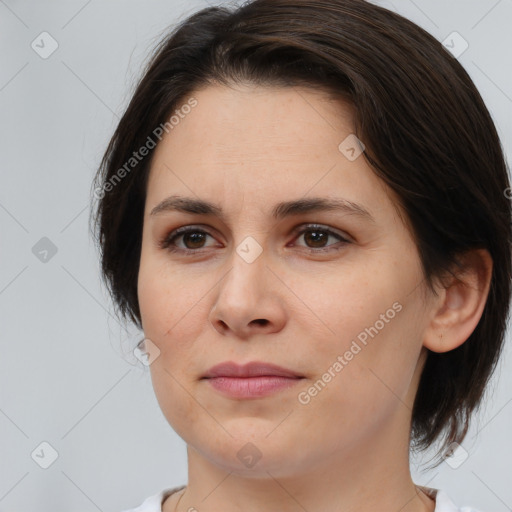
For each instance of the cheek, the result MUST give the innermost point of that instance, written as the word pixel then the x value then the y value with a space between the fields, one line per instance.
pixel 170 306
pixel 355 396
pixel 373 324
pixel 169 300
pixel 175 401
pixel 343 302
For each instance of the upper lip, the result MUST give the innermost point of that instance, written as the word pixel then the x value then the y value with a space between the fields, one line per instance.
pixel 251 369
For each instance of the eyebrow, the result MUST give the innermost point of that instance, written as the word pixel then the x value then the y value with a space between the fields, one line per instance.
pixel 280 210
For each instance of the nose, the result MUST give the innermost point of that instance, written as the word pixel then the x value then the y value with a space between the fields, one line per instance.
pixel 248 301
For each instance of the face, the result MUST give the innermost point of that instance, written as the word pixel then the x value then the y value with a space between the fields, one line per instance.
pixel 333 294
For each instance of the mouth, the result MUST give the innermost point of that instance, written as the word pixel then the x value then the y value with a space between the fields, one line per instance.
pixel 252 380
pixel 251 369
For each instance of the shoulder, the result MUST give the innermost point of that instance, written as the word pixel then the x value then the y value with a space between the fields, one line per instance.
pixel 154 503
pixel 444 502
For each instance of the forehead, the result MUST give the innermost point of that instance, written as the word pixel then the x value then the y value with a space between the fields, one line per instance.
pixel 254 119
pixel 261 144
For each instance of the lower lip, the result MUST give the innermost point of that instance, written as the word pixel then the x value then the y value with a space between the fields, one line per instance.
pixel 251 387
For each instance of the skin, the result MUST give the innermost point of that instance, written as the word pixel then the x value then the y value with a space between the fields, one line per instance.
pixel 246 148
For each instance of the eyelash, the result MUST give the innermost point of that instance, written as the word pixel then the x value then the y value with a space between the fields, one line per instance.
pixel 168 243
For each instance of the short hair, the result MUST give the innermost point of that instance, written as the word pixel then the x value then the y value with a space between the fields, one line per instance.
pixel 427 134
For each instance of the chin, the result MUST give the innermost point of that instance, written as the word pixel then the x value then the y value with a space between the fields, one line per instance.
pixel 254 450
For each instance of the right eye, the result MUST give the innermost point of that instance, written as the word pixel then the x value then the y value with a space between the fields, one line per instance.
pixel 186 240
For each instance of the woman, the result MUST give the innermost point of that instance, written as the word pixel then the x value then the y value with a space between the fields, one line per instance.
pixel 295 212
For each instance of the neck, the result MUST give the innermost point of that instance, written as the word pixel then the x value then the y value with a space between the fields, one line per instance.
pixel 371 474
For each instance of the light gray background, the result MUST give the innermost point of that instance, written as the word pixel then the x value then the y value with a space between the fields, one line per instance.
pixel 67 374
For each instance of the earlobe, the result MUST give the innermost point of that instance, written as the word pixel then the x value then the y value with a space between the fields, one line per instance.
pixel 460 303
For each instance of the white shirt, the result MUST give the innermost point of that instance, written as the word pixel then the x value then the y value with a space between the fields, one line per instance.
pixel 443 502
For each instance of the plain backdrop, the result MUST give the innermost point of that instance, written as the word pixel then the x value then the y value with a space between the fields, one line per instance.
pixel 68 377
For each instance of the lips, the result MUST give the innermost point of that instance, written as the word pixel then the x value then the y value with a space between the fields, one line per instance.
pixel 251 369
pixel 254 380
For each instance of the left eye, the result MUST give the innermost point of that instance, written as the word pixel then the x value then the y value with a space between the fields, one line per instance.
pixel 316 237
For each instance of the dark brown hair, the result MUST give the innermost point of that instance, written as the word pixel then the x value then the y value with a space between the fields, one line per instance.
pixel 427 133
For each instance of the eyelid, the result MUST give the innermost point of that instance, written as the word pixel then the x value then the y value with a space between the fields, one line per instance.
pixel 299 230
pixel 168 240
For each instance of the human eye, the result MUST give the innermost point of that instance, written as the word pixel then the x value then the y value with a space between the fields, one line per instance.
pixel 316 238
pixel 190 240
pixel 186 240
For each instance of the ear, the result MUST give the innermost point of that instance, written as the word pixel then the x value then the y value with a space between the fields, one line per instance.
pixel 460 302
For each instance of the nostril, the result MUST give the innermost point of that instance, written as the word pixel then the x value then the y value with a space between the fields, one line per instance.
pixel 261 321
